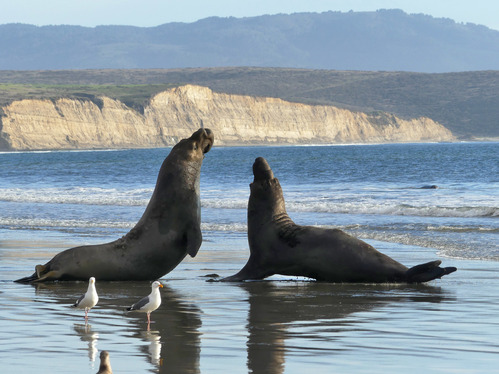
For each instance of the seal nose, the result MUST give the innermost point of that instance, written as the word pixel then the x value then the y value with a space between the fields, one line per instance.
pixel 208 140
pixel 205 138
pixel 262 170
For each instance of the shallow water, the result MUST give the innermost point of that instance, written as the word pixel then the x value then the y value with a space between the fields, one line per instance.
pixel 285 325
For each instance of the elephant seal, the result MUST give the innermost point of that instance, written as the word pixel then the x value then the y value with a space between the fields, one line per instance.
pixel 168 230
pixel 429 187
pixel 279 246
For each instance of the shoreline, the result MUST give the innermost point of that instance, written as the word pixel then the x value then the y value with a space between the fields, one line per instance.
pixel 290 145
pixel 234 246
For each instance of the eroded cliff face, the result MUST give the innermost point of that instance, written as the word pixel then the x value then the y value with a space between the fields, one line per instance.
pixel 176 113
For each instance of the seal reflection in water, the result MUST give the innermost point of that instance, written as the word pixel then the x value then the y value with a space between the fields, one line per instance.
pixel 168 230
pixel 279 246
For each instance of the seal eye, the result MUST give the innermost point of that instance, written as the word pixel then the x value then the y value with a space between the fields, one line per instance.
pixel 195 147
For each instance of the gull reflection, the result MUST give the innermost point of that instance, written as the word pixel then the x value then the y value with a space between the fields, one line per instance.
pixel 154 347
pixel 86 334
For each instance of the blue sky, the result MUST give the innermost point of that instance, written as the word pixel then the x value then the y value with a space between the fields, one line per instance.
pixel 148 13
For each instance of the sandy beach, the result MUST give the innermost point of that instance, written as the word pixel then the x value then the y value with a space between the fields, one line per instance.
pixel 284 325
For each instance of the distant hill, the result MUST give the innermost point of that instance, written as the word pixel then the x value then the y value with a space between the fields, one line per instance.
pixel 467 103
pixel 388 40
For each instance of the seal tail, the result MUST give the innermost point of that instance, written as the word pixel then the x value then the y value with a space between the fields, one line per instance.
pixel 427 272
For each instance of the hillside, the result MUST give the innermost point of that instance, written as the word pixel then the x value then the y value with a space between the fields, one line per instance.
pixel 388 40
pixel 467 103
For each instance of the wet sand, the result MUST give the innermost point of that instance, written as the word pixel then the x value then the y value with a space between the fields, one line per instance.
pixel 285 325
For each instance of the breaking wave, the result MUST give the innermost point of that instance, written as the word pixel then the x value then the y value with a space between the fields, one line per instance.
pixel 140 197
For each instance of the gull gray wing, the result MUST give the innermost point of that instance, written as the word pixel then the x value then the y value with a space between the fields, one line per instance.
pixel 140 304
pixel 78 301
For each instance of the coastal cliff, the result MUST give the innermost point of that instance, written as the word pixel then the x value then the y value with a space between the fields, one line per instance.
pixel 174 114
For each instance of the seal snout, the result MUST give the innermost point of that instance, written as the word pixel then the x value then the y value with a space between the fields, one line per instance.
pixel 208 140
pixel 262 170
pixel 205 138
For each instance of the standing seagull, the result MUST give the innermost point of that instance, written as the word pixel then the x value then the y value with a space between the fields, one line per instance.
pixel 89 299
pixel 149 303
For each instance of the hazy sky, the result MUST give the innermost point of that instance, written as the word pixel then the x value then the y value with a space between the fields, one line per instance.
pixel 147 13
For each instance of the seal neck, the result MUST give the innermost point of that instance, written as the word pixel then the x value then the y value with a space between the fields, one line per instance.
pixel 266 202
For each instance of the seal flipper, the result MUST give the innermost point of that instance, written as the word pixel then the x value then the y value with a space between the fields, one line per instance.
pixel 194 238
pixel 32 278
pixel 39 270
pixel 427 272
pixel 41 274
pixel 250 271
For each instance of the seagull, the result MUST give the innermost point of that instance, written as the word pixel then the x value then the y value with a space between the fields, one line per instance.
pixel 89 299
pixel 105 364
pixel 149 303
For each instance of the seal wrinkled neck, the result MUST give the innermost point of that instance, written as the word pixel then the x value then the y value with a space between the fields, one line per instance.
pixel 262 170
pixel 266 199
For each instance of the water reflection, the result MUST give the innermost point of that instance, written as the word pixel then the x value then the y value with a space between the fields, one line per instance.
pixel 154 346
pixel 177 324
pixel 172 344
pixel 275 307
pixel 282 318
pixel 86 334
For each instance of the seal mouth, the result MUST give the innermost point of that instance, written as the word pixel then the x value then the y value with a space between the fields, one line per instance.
pixel 262 170
pixel 207 148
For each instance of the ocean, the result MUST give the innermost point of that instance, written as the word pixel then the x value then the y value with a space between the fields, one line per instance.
pixel 414 202
pixel 379 192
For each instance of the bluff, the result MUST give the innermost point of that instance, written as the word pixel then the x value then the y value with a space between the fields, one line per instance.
pixel 174 114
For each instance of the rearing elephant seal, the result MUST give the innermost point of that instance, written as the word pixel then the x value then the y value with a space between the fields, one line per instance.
pixel 168 230
pixel 279 246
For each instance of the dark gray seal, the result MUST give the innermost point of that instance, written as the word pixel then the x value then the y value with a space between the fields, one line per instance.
pixel 168 230
pixel 279 246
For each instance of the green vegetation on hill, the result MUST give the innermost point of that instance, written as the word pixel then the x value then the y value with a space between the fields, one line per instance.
pixel 133 95
pixel 467 103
